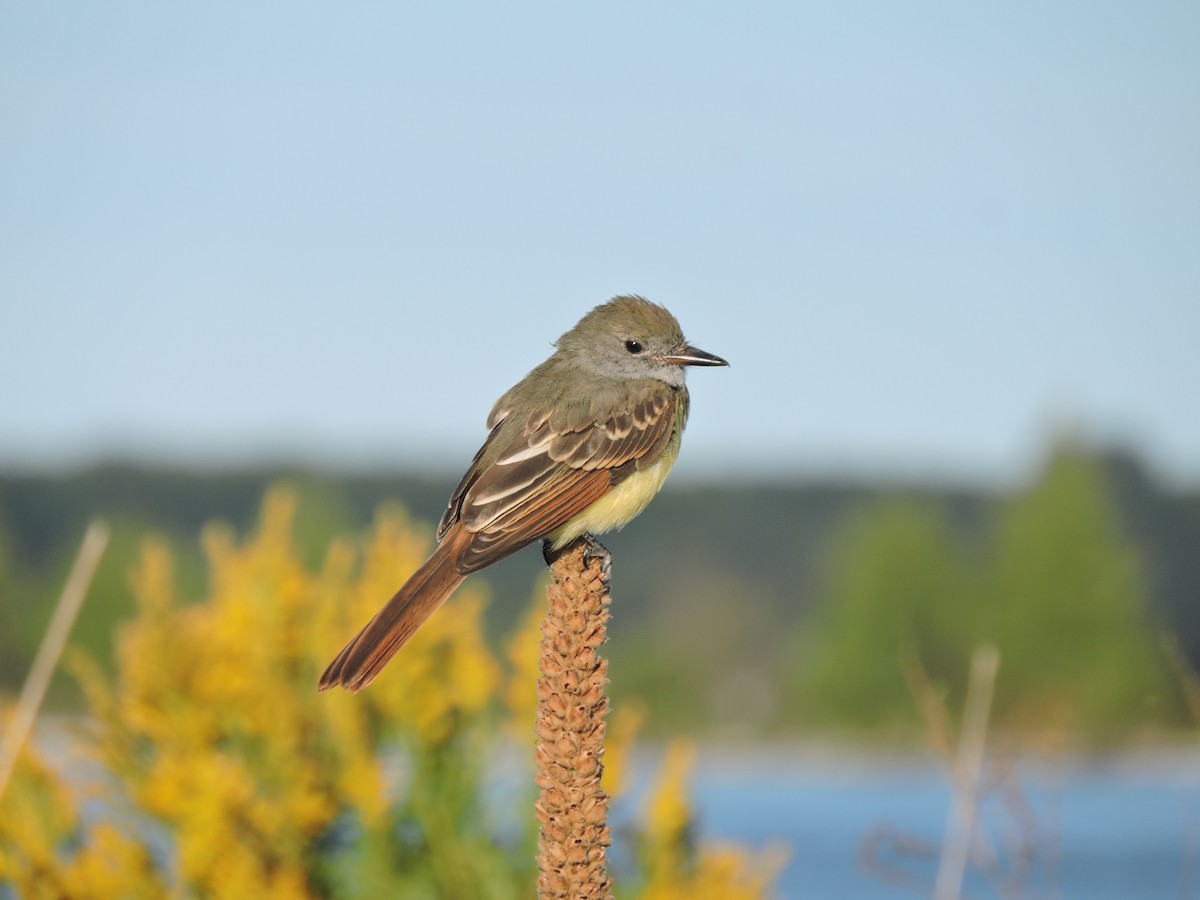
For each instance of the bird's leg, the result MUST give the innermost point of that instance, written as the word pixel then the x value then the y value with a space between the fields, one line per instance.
pixel 592 549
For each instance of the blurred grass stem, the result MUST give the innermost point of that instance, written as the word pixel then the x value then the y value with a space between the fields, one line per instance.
pixel 960 825
pixel 34 690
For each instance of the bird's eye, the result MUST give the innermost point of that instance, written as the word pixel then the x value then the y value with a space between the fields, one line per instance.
pixel 633 346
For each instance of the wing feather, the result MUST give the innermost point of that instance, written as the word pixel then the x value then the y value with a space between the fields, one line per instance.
pixel 450 514
pixel 543 478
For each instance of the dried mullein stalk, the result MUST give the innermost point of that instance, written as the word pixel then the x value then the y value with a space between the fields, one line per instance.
pixel 572 810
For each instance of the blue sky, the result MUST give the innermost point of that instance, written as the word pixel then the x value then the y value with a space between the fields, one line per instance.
pixel 926 236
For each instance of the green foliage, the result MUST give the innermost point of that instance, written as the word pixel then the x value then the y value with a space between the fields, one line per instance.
pixel 712 583
pixel 1056 587
pixel 701 656
pixel 1067 607
pixel 896 582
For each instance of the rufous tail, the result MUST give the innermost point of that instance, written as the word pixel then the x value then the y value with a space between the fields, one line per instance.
pixel 371 649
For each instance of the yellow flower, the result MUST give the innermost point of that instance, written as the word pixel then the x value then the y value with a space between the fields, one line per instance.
pixel 36 813
pixel 39 817
pixel 669 813
pixel 444 675
pixel 622 730
pixel 112 865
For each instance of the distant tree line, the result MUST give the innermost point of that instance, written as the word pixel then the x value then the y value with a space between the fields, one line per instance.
pixel 742 608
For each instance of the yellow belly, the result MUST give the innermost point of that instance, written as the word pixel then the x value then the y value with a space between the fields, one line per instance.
pixel 622 503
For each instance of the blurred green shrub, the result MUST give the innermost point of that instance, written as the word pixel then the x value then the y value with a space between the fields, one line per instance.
pixel 1054 585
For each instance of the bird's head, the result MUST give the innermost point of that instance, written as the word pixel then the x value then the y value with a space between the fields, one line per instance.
pixel 631 338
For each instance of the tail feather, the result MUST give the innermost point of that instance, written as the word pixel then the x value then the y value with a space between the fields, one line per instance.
pixel 371 649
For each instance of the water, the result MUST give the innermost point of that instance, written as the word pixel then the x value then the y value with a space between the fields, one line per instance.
pixel 1126 828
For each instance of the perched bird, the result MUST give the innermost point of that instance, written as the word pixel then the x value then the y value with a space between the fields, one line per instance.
pixel 578 447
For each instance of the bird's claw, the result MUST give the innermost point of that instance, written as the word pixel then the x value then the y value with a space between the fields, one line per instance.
pixel 592 549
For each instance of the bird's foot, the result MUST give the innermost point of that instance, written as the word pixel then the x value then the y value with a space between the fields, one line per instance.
pixel 592 549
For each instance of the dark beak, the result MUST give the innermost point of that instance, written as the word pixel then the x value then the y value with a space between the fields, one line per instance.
pixel 691 356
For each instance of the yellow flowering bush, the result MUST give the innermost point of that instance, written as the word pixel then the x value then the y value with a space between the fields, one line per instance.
pixel 43 853
pixel 228 775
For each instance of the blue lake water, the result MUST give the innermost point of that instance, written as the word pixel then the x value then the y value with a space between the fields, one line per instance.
pixel 1125 827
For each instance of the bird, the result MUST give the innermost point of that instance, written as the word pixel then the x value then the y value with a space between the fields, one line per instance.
pixel 577 448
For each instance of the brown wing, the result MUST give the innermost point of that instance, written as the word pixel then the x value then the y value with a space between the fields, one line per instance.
pixel 450 515
pixel 545 477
